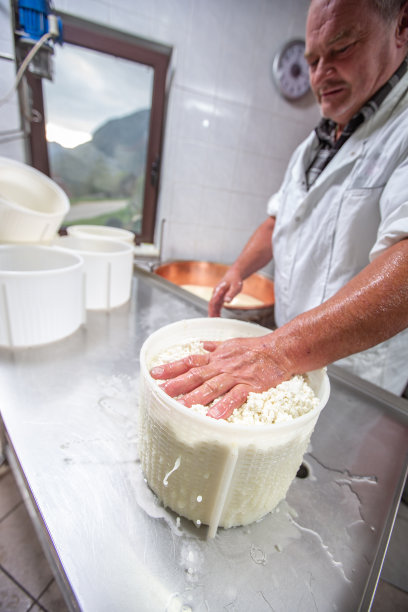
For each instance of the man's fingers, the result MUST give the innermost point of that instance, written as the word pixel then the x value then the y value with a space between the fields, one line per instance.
pixel 223 293
pixel 217 299
pixel 231 400
pixel 210 345
pixel 233 291
pixel 176 368
pixel 188 381
pixel 209 390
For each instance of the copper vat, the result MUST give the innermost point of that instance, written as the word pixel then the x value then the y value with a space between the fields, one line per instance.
pixel 205 273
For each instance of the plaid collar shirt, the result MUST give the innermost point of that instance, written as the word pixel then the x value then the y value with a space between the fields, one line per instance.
pixel 326 130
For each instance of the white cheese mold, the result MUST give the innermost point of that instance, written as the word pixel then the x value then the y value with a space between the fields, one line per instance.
pixel 217 473
pixel 41 294
pixel 32 206
pixel 108 266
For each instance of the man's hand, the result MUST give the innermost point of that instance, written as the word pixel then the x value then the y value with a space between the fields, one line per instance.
pixel 224 292
pixel 230 370
pixel 255 255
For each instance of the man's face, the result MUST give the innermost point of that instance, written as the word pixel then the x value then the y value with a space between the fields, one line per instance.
pixel 351 53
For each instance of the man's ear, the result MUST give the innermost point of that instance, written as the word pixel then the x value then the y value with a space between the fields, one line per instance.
pixel 401 33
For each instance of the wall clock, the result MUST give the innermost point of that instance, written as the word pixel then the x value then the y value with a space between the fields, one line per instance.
pixel 291 71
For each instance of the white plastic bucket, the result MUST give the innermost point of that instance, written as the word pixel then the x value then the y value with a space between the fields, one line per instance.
pixel 41 295
pixel 210 471
pixel 108 269
pixel 32 206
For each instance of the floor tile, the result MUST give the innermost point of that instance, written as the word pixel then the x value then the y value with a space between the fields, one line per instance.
pixel 21 554
pixel 10 495
pixel 12 598
pixel 389 598
pixel 52 599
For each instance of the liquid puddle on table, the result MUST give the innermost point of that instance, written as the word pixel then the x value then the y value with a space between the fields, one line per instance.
pixel 189 541
pixel 192 550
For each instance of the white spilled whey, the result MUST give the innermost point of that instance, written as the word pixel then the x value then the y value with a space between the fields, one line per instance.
pixel 287 401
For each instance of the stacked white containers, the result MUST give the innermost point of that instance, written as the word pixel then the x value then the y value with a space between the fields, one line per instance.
pixel 47 283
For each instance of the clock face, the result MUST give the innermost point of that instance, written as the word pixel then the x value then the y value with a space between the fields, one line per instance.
pixel 290 70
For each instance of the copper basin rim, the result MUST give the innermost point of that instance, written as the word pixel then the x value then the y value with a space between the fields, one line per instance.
pixel 205 273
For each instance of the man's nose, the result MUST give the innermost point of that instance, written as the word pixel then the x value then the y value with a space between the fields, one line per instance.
pixel 323 69
pixel 320 75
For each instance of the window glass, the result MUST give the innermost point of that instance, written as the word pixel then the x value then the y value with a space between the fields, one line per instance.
pixel 97 110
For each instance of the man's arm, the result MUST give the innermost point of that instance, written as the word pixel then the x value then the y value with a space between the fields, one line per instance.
pixel 256 254
pixel 370 308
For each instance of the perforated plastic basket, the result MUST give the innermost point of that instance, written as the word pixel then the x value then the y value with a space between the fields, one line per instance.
pixel 211 471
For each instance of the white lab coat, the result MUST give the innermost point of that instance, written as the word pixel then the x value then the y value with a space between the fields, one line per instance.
pixel 356 208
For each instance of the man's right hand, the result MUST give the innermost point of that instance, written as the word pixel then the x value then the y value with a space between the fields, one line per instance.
pixel 256 254
pixel 224 292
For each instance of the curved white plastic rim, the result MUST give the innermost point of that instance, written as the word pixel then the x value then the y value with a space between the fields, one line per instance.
pixel 105 232
pixel 23 173
pixel 93 246
pixel 39 260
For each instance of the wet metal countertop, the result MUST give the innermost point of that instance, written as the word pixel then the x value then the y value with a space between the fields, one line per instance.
pixel 69 411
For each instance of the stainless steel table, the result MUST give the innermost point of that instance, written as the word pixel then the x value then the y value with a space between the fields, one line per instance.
pixel 69 413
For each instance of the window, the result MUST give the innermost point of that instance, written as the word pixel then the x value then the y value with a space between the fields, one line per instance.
pixel 97 126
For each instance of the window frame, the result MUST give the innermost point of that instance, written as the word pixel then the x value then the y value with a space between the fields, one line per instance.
pixel 99 38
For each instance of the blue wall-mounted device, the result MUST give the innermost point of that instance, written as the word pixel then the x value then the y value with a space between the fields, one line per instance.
pixel 34 20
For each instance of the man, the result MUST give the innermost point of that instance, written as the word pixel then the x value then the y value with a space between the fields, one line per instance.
pixel 337 228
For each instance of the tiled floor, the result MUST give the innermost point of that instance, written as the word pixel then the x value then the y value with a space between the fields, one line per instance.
pixel 27 584
pixel 26 581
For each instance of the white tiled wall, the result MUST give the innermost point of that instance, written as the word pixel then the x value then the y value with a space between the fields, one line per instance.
pixel 228 133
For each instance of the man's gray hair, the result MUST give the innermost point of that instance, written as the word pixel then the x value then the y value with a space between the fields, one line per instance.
pixel 387 9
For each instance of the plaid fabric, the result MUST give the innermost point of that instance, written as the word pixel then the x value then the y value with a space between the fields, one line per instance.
pixel 326 130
